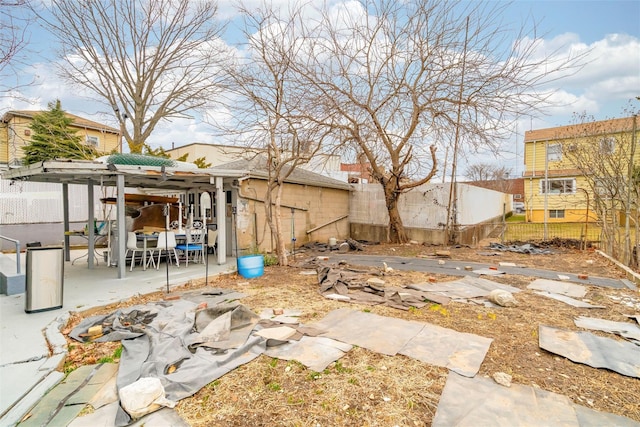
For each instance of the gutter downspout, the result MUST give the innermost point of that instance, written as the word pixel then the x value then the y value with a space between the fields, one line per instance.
pixel 546 186
pixel 533 175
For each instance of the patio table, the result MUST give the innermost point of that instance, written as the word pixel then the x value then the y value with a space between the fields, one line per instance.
pixel 85 236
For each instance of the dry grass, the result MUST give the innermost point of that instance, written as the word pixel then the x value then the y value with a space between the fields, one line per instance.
pixel 368 389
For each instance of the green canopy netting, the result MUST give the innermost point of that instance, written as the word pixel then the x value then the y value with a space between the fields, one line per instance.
pixel 139 160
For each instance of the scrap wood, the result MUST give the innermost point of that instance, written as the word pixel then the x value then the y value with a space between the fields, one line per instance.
pixel 346 286
pixel 488 272
pixel 355 245
pixel 329 278
pixel 622 357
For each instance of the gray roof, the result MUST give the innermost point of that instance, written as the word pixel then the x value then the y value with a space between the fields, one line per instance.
pixel 256 168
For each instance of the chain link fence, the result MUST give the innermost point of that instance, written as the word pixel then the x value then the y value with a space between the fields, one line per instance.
pixel 574 234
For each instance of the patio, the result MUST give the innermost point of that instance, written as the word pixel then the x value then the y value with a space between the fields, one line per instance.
pixel 27 362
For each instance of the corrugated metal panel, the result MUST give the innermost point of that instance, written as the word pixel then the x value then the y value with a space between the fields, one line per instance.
pixel 35 202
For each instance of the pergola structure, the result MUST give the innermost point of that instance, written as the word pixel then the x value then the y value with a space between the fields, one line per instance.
pixel 91 173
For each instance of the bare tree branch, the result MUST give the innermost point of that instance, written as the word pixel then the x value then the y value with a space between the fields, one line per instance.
pixel 149 61
pixel 271 106
pixel 603 153
pixel 389 76
pixel 13 40
pixel 486 172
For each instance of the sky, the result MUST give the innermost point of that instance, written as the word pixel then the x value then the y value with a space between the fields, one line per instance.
pixel 609 30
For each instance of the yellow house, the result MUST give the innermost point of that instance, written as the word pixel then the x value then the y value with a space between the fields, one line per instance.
pixel 15 133
pixel 558 160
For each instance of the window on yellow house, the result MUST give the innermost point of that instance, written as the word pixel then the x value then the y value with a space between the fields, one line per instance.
pixel 556 213
pixel 93 140
pixel 610 187
pixel 558 186
pixel 554 152
pixel 607 145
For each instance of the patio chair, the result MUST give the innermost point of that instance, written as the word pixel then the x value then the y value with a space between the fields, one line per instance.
pixel 212 241
pixel 132 245
pixel 194 244
pixel 167 243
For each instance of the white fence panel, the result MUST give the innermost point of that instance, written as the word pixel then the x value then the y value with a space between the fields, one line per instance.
pixel 476 204
pixel 40 202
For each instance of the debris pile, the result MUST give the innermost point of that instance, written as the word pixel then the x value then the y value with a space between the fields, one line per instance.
pixel 344 246
pixel 527 248
pixel 354 287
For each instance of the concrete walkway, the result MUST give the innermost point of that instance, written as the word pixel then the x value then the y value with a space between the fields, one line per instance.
pixel 31 345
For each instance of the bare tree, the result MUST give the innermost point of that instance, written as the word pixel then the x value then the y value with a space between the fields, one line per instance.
pixel 486 172
pixel 604 153
pixel 271 106
pixel 148 60
pixel 398 79
pixel 13 39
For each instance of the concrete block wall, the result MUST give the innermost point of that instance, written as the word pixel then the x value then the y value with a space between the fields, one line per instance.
pixel 313 207
pixel 423 211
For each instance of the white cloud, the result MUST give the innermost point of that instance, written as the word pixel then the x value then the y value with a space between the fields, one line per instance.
pixel 602 87
pixel 609 75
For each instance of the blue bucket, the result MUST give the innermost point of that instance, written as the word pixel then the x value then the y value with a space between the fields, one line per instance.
pixel 251 266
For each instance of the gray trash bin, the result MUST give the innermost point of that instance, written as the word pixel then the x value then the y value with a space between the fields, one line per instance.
pixel 44 278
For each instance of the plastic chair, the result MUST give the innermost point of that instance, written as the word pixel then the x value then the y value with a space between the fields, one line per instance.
pixel 212 240
pixel 132 245
pixel 194 244
pixel 167 243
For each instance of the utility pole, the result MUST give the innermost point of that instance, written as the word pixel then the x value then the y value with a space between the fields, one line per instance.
pixel 628 253
pixel 451 207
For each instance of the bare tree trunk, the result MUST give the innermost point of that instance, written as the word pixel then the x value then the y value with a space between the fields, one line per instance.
pixel 268 214
pixel 396 233
pixel 281 250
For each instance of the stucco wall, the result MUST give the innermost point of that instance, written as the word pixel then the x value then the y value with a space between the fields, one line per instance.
pixel 312 207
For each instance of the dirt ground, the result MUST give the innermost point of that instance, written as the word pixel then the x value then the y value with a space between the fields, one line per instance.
pixel 369 389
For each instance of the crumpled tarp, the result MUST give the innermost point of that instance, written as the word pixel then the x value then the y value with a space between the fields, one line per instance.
pixel 184 345
pixel 460 352
pixel 481 402
pixel 527 248
pixel 598 352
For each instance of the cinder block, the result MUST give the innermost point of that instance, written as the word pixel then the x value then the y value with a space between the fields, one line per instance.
pixel 11 284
